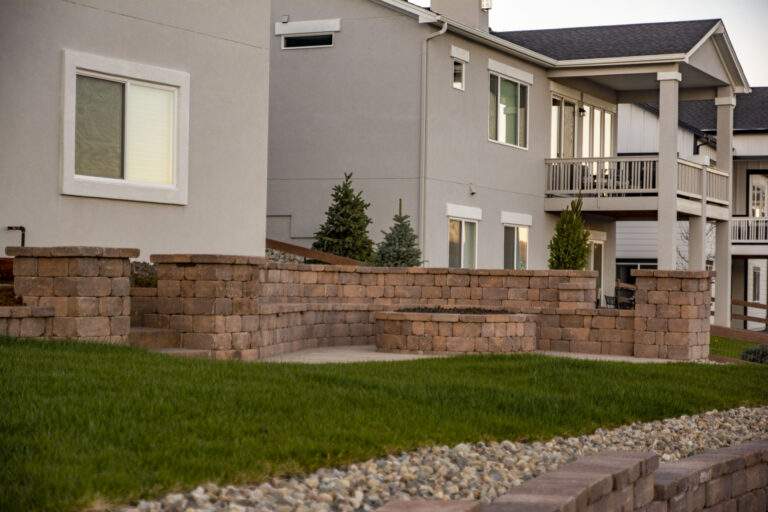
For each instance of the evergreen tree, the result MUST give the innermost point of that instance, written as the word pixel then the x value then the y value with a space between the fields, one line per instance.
pixel 399 247
pixel 569 247
pixel 345 230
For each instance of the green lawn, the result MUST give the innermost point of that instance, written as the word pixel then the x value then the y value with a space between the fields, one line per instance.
pixel 81 423
pixel 727 347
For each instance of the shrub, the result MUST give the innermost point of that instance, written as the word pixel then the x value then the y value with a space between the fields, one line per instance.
pixel 345 230
pixel 399 247
pixel 143 275
pixel 569 248
pixel 758 354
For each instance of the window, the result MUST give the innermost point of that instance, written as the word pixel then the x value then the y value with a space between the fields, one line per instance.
pixel 563 128
pixel 508 114
pixel 459 69
pixel 307 41
pixel 516 247
pixel 462 243
pixel 586 121
pixel 125 130
pixel 755 284
pixel 758 195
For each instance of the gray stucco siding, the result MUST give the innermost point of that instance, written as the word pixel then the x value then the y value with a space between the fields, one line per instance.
pixel 223 49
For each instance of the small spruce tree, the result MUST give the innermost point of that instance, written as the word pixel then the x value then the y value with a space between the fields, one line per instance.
pixel 569 247
pixel 399 247
pixel 345 230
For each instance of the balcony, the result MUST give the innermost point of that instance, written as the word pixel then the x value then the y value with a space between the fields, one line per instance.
pixel 749 236
pixel 630 184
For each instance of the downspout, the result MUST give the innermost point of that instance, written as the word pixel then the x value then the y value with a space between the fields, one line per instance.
pixel 423 138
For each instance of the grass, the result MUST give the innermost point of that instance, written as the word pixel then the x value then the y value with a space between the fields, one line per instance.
pixel 726 347
pixel 87 423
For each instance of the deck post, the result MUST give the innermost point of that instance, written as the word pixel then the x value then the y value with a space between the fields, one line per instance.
pixel 725 102
pixel 669 83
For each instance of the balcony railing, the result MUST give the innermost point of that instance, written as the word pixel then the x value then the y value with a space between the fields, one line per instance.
pixel 602 177
pixel 629 176
pixel 749 230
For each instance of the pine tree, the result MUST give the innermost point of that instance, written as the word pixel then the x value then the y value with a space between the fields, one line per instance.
pixel 345 230
pixel 569 247
pixel 399 247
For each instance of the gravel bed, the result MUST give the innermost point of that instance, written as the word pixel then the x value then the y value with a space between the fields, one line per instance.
pixel 477 471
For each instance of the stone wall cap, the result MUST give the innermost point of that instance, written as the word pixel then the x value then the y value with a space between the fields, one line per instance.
pixel 25 312
pixel 213 259
pixel 72 252
pixel 680 274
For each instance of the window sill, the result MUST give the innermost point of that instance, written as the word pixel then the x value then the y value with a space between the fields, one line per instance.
pixel 524 148
pixel 107 188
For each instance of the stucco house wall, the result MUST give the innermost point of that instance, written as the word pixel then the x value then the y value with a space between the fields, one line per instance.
pixel 225 50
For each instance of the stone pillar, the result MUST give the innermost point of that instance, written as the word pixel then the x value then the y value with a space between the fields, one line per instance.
pixel 672 314
pixel 87 287
pixel 666 180
pixel 725 102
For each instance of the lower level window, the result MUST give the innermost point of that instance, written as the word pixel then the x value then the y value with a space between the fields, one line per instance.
pixel 516 247
pixel 462 243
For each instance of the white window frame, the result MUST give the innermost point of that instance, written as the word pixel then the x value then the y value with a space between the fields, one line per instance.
pixel 127 72
pixel 464 221
pixel 501 76
pixel 527 246
pixel 463 86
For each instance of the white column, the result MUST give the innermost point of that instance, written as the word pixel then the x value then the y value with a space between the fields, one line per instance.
pixel 725 101
pixel 697 243
pixel 666 180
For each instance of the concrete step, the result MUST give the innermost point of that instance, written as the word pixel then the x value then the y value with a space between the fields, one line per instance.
pixel 151 338
pixel 184 352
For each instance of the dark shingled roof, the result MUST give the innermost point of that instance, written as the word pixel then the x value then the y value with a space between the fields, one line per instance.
pixel 613 40
pixel 751 112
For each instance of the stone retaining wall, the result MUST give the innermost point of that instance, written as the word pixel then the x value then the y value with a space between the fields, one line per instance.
pixel 236 306
pixel 732 479
pixel 447 332
pixel 26 322
pixel 87 288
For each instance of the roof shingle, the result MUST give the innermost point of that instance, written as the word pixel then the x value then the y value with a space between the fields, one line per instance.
pixel 612 40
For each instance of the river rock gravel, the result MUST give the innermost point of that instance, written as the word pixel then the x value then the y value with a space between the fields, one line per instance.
pixel 479 471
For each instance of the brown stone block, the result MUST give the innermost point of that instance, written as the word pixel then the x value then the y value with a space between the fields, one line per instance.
pixel 459 344
pixel 718 490
pixel 197 341
pixel 197 306
pixel 121 286
pixel 32 327
pixel 604 322
pixel 84 306
pixel 459 280
pixel 398 279
pixel 233 289
pixel 52 267
pixel 119 325
pixel 679 325
pixel 571 321
pixel 575 333
pixel 24 267
pixel 645 350
pixel 88 327
pixel 680 353
pixel 112 268
pixel 681 298
pixel 407 292
pixel 59 304
pixel 168 288
pixel 587 347
pixel 622 349
pixel 170 305
pixel 209 289
pixel 353 291
pixel 33 286
pixel 668 283
pixel 658 297
pixel 668 311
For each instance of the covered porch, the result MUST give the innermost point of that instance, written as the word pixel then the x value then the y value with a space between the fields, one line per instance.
pixel 661 185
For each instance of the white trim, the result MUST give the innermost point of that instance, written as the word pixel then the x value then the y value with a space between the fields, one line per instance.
pixel 461 211
pixel 669 75
pixel 510 72
pixel 726 100
pixel 127 71
pixel 459 53
pixel 516 219
pixel 308 27
pixel 610 61
pixel 463 83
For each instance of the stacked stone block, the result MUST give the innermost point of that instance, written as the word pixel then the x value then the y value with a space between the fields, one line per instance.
pixel 26 322
pixel 672 314
pixel 88 289
pixel 733 479
pixel 588 331
pixel 447 332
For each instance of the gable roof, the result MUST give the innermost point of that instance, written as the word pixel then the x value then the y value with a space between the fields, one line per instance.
pixel 750 114
pixel 611 41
